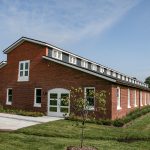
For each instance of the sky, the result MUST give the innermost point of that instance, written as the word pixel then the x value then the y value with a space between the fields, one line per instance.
pixel 114 33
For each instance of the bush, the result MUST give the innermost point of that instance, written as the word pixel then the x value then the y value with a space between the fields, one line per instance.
pixel 20 112
pixel 118 123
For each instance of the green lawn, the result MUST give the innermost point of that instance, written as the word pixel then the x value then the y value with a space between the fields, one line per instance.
pixel 59 134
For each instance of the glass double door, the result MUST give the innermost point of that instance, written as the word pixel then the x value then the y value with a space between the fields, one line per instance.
pixel 57 105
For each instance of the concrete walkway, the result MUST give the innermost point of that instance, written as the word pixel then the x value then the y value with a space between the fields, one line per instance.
pixel 10 122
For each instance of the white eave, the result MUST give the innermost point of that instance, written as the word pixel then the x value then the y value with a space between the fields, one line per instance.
pixel 2 64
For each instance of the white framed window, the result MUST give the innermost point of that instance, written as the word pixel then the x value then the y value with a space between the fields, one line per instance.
pixel 101 69
pixel 89 97
pixel 123 78
pixel 84 63
pixel 108 72
pixel 72 59
pixel 94 67
pixel 23 73
pixel 127 79
pixel 9 97
pixel 141 97
pixel 129 103
pixel 118 95
pixel 57 54
pixel 145 99
pixel 114 74
pixel 37 97
pixel 135 104
pixel 119 76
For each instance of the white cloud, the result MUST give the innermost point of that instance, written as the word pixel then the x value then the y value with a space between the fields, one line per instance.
pixel 61 21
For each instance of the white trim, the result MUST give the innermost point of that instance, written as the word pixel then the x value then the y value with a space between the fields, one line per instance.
pixel 23 78
pixel 145 99
pixel 7 97
pixel 81 69
pixel 72 59
pixel 141 99
pixel 94 67
pixel 135 98
pixel 129 99
pixel 85 95
pixel 57 54
pixel 84 64
pixel 35 103
pixel 2 64
pixel 118 95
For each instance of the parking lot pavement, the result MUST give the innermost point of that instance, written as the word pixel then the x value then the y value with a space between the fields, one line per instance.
pixel 10 122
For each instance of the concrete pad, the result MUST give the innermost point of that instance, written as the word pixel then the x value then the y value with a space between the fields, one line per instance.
pixel 14 122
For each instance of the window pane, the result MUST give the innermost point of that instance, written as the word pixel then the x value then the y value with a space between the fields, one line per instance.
pixel 21 73
pixel 53 109
pixel 53 102
pixel 38 92
pixel 38 99
pixel 26 65
pixel 10 92
pixel 26 73
pixel 89 92
pixel 65 110
pixel 64 96
pixel 90 101
pixel 53 96
pixel 10 98
pixel 21 66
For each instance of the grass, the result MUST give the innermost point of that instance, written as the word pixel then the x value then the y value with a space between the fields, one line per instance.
pixel 60 134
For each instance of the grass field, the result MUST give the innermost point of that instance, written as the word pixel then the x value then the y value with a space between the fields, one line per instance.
pixel 60 134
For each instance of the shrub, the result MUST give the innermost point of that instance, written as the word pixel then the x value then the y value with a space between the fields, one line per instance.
pixel 118 123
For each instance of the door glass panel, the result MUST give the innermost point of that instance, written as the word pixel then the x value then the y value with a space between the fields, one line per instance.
pixel 53 102
pixel 53 109
pixel 64 110
pixel 63 97
pixel 53 96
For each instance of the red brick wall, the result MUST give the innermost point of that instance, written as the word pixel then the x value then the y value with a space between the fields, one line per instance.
pixel 43 74
pixel 124 100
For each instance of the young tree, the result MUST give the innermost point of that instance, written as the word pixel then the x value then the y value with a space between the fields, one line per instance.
pixel 80 106
pixel 147 80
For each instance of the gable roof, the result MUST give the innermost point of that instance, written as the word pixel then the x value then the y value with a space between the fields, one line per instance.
pixel 130 82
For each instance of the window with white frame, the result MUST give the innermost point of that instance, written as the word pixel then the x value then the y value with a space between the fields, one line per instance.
pixel 141 97
pixel 119 76
pixel 145 99
pixel 57 54
pixel 114 74
pixel 94 67
pixel 126 78
pixel 23 74
pixel 72 59
pixel 89 97
pixel 9 96
pixel 84 63
pixel 101 69
pixel 135 104
pixel 108 72
pixel 37 97
pixel 129 103
pixel 123 78
pixel 118 98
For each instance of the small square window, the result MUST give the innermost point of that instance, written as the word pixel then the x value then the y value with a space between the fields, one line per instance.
pixel 72 59
pixel 57 54
pixel 94 67
pixel 84 64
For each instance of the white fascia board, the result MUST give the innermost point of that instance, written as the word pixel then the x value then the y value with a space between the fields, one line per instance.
pixel 2 64
pixel 78 68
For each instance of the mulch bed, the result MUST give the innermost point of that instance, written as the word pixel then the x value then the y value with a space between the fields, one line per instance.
pixel 83 148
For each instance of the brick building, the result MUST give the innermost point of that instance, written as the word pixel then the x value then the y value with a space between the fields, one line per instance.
pixel 37 75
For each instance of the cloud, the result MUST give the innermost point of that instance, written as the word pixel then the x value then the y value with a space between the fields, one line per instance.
pixel 61 21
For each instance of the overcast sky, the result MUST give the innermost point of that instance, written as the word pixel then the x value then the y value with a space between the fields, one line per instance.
pixel 115 33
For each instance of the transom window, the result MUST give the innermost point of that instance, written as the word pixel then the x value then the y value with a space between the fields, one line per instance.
pixel 72 59
pixel 37 97
pixel 9 96
pixel 94 67
pixel 57 54
pixel 101 70
pixel 89 97
pixel 84 63
pixel 23 74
